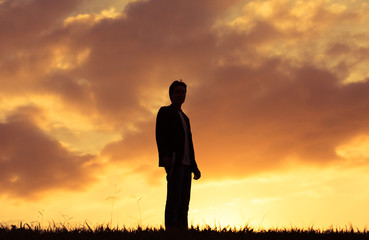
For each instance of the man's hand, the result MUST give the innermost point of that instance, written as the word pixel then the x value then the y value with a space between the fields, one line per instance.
pixel 197 174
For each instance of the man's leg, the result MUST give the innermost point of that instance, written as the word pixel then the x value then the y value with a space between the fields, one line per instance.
pixel 185 198
pixel 174 192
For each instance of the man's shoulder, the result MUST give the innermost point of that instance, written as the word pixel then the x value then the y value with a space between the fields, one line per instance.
pixel 167 109
pixel 168 112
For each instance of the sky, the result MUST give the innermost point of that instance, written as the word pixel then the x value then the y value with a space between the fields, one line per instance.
pixel 277 97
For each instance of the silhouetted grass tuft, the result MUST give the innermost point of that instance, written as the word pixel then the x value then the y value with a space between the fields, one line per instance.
pixel 85 232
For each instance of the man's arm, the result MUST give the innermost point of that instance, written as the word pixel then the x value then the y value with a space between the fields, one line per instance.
pixel 195 169
pixel 163 137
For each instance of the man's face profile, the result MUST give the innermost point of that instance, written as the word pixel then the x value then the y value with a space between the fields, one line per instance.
pixel 179 95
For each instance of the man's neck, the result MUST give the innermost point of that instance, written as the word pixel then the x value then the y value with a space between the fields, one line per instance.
pixel 178 107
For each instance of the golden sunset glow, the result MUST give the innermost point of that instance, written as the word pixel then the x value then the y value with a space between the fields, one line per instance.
pixel 277 99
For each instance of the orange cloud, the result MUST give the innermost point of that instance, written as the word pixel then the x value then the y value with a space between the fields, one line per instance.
pixel 284 83
pixel 254 124
pixel 32 162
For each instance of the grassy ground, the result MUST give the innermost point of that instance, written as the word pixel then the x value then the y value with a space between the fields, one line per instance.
pixel 106 233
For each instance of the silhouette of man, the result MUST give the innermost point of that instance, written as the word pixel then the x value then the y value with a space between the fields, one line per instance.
pixel 176 155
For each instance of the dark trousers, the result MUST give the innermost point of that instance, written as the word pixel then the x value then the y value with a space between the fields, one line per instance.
pixel 178 197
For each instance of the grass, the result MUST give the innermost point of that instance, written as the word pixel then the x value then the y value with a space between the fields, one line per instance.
pixel 85 232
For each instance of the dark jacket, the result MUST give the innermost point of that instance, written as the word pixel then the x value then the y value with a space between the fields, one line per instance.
pixel 170 136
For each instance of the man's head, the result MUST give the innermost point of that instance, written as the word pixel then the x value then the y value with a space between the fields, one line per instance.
pixel 177 92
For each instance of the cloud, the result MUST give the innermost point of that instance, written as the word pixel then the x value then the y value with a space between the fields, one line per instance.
pixel 259 107
pixel 269 81
pixel 24 21
pixel 254 108
pixel 32 162
pixel 255 124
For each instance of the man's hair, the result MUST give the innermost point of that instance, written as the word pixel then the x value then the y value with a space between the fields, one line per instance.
pixel 175 84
